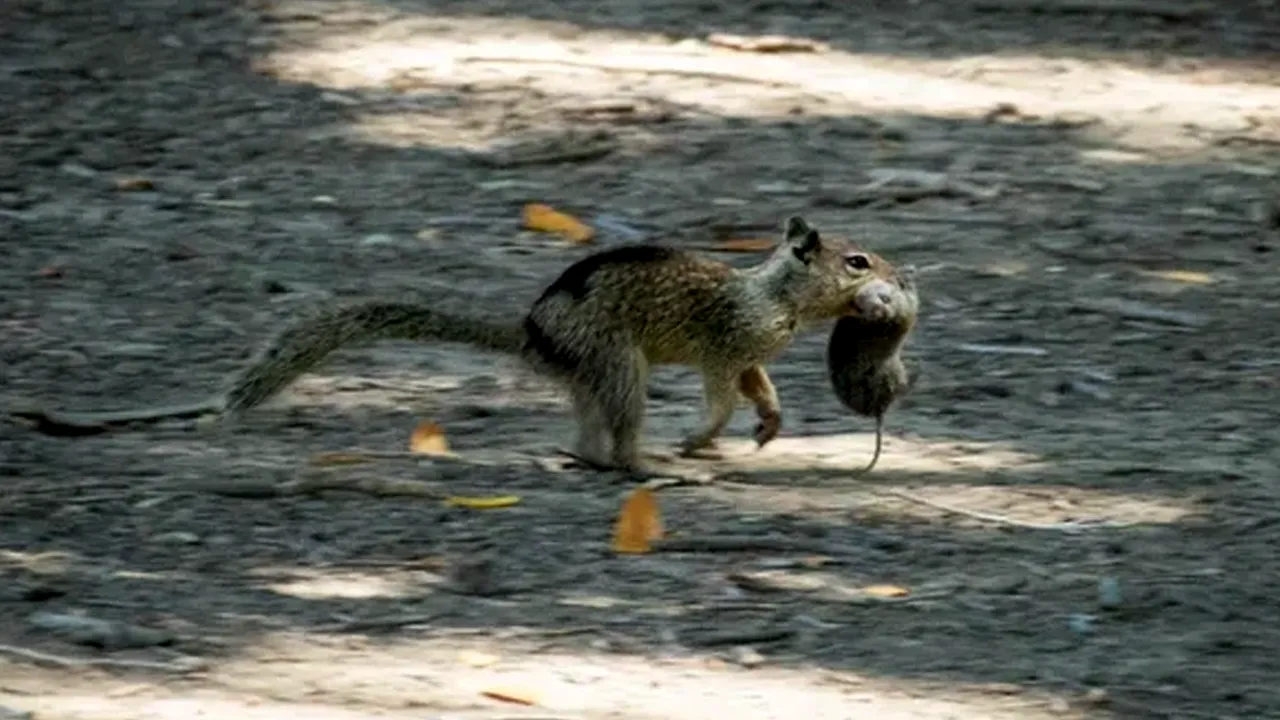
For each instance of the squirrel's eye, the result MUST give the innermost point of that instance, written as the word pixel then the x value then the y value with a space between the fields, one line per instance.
pixel 858 261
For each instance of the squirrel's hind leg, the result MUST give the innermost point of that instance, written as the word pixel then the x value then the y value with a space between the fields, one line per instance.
pixel 721 396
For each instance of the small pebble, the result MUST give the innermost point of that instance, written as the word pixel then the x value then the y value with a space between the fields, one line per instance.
pixel 747 657
pixel 1082 387
pixel 1109 595
pixel 177 537
pixel 1080 623
pixel 78 170
pixel 1097 696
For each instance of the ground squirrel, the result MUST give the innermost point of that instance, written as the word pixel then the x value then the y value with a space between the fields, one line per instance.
pixel 864 353
pixel 602 324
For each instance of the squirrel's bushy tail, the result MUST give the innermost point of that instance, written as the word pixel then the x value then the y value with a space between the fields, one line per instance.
pixel 306 344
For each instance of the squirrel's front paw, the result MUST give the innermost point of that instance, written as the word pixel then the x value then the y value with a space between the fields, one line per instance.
pixel 767 429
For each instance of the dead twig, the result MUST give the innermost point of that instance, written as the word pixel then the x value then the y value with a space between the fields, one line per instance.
pixel 1241 139
pixel 391 622
pixel 79 424
pixel 1131 310
pixel 544 156
pixel 314 483
pixel 767 43
pixel 747 543
pixel 324 474
pixel 1149 8
pixel 990 349
pixel 679 72
pixel 901 185
pixel 186 665
pixel 758 636
pixel 1069 527
pixel 952 219
pixel 95 632
pixel 311 484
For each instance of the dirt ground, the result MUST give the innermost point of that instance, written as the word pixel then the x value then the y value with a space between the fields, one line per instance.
pixel 1099 343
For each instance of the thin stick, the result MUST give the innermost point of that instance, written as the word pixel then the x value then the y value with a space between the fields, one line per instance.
pixel 999 519
pixel 748 543
pixel 700 74
pixel 71 424
pixel 192 665
pixel 1163 10
pixel 382 623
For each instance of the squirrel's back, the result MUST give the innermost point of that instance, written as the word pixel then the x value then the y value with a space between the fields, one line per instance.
pixel 673 306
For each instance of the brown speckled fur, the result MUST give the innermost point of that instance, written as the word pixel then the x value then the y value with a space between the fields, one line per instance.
pixel 610 317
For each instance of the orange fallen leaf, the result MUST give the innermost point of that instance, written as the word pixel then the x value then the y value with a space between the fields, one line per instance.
pixel 511 695
pixel 639 523
pixel 428 439
pixel 886 591
pixel 744 245
pixel 338 458
pixel 134 184
pixel 544 218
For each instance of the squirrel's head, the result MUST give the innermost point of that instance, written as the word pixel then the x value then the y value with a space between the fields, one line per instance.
pixel 842 279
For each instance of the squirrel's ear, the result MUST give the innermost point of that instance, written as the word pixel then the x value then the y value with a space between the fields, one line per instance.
pixel 804 240
pixel 795 228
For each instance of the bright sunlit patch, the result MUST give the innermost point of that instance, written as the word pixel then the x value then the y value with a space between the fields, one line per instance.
pixel 816 476
pixel 1114 157
pixel 426 678
pixel 851 450
pixel 1151 107
pixel 321 584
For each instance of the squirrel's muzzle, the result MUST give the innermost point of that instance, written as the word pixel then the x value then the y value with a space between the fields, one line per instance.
pixel 878 300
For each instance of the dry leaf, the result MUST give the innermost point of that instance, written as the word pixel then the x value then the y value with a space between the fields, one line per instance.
pixel 744 245
pixel 511 695
pixel 338 458
pixel 427 562
pixel 886 591
pixel 544 218
pixel 50 271
pixel 482 503
pixel 134 184
pixel 639 523
pixel 1189 277
pixel 428 439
